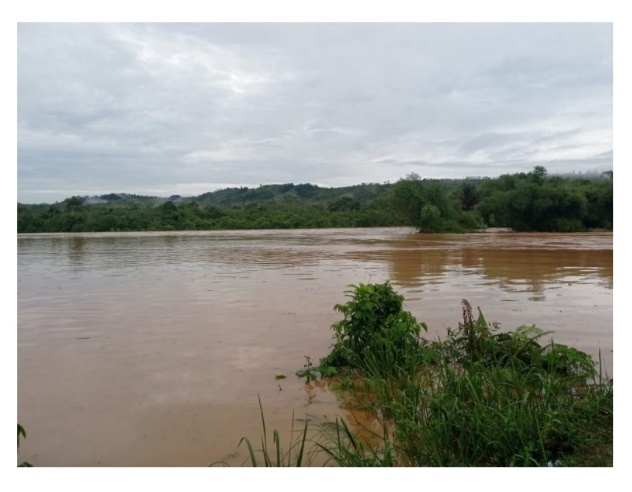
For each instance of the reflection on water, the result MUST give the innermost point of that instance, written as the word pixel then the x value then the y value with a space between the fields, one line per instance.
pixel 142 349
pixel 424 260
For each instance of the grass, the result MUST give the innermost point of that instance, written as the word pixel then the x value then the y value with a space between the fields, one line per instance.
pixel 275 456
pixel 344 447
pixel 450 416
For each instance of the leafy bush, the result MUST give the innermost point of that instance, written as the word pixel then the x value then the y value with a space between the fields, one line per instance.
pixel 568 362
pixel 470 221
pixel 374 325
pixel 477 342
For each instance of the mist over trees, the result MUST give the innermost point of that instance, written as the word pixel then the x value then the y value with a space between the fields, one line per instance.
pixel 534 201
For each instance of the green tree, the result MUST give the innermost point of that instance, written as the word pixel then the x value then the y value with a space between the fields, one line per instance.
pixel 73 203
pixel 427 205
pixel 468 196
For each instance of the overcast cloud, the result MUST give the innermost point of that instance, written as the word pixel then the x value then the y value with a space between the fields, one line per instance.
pixel 164 109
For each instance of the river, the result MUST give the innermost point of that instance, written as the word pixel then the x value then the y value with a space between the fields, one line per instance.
pixel 151 349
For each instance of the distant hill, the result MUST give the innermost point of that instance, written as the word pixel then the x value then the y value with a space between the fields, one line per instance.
pixel 290 192
pixel 230 197
pixel 533 201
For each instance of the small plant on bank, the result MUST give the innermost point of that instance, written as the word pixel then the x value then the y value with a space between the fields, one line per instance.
pixel 309 371
pixel 275 456
pixel 476 341
pixel 22 432
pixel 374 325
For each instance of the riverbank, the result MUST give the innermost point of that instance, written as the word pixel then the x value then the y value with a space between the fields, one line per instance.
pixel 478 397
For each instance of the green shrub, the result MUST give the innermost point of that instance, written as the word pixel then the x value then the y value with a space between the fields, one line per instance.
pixel 480 397
pixel 374 325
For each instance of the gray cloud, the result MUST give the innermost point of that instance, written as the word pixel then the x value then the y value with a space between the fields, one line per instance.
pixel 187 108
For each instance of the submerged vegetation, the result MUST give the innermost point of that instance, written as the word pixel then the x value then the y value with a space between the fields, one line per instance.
pixel 533 201
pixel 480 397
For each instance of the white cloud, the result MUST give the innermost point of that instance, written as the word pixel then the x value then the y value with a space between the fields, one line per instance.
pixel 149 106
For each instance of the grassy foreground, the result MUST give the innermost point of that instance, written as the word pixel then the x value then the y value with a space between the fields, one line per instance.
pixel 479 397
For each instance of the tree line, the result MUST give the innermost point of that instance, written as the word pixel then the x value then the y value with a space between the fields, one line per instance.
pixel 533 201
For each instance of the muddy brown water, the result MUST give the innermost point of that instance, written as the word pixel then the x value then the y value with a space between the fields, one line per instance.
pixel 151 349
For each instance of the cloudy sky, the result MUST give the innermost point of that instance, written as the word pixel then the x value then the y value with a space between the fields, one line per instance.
pixel 164 109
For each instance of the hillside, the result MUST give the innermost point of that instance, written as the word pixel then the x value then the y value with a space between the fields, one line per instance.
pixel 531 201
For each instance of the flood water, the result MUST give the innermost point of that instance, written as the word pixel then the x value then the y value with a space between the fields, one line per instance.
pixel 151 349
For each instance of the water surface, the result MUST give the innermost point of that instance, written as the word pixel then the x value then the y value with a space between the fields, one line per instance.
pixel 150 349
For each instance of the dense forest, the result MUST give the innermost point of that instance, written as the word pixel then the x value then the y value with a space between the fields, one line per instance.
pixel 534 201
